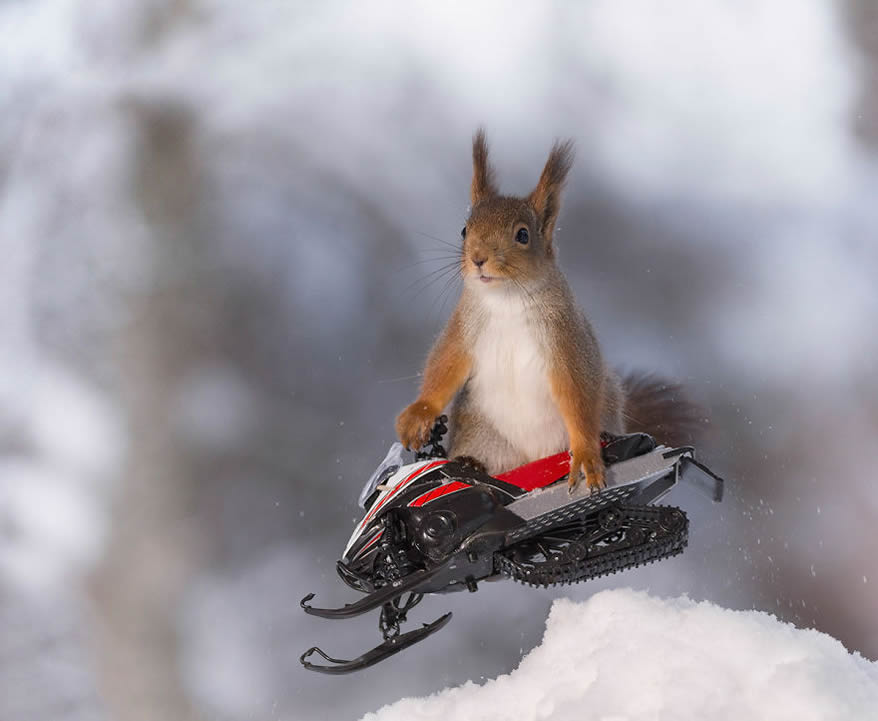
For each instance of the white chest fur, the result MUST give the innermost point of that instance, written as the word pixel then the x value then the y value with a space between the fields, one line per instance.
pixel 510 379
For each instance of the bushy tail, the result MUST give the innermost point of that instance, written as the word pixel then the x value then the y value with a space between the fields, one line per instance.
pixel 660 408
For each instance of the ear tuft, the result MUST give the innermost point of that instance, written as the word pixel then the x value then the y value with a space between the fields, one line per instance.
pixel 546 197
pixel 483 174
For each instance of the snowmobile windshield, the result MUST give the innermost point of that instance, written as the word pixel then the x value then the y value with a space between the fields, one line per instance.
pixel 390 465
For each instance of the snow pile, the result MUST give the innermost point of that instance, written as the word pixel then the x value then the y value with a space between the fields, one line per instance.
pixel 623 655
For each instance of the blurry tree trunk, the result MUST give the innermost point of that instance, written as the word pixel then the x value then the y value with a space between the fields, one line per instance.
pixel 138 587
pixel 862 23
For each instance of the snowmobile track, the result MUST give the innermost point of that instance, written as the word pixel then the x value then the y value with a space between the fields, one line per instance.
pixel 615 539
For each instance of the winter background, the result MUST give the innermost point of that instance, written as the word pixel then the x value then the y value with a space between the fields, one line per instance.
pixel 218 224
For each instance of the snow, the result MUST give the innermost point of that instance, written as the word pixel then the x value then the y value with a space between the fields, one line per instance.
pixel 625 655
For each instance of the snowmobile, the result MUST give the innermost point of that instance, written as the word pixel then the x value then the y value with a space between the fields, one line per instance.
pixel 434 525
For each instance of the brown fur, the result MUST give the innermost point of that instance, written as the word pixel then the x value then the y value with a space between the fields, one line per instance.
pixel 500 273
pixel 546 197
pixel 447 368
pixel 483 174
pixel 660 408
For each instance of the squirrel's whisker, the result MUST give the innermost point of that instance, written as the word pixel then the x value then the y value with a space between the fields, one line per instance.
pixel 419 285
pixel 424 261
pixel 439 240
pixel 400 379
pixel 437 279
pixel 445 294
pixel 457 250
pixel 441 270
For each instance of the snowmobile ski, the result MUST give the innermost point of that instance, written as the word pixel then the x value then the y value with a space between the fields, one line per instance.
pixel 381 652
pixel 375 599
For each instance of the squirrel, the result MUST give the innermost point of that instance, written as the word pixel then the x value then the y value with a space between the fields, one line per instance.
pixel 518 358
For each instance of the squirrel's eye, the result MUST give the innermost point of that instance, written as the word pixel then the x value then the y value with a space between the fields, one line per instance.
pixel 463 232
pixel 522 236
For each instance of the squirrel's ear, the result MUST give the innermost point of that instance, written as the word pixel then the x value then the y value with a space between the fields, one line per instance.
pixel 483 174
pixel 546 197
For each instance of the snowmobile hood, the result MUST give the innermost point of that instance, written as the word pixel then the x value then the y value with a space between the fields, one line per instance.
pixel 391 488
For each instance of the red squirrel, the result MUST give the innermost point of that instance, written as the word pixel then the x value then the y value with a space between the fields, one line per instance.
pixel 518 358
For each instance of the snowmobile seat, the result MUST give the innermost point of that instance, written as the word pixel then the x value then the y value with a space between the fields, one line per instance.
pixel 547 471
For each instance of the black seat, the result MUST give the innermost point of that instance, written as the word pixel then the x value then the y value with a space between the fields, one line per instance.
pixel 620 448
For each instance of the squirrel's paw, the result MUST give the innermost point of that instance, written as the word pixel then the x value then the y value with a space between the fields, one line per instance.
pixel 470 462
pixel 414 424
pixel 593 466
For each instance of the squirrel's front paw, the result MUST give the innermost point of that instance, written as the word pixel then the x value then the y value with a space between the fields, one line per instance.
pixel 591 463
pixel 414 424
pixel 470 462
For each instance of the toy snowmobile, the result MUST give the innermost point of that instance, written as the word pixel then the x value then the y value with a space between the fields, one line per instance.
pixel 435 525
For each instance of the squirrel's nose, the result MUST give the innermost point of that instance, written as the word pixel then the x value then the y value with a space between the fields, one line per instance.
pixel 479 262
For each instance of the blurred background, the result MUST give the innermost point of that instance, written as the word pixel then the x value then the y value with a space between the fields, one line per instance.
pixel 220 226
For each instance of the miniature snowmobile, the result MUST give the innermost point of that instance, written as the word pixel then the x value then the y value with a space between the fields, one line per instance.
pixel 437 525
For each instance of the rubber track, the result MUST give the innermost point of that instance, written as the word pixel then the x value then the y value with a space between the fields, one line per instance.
pixel 664 544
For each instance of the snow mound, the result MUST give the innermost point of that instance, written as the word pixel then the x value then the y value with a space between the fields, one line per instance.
pixel 626 656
